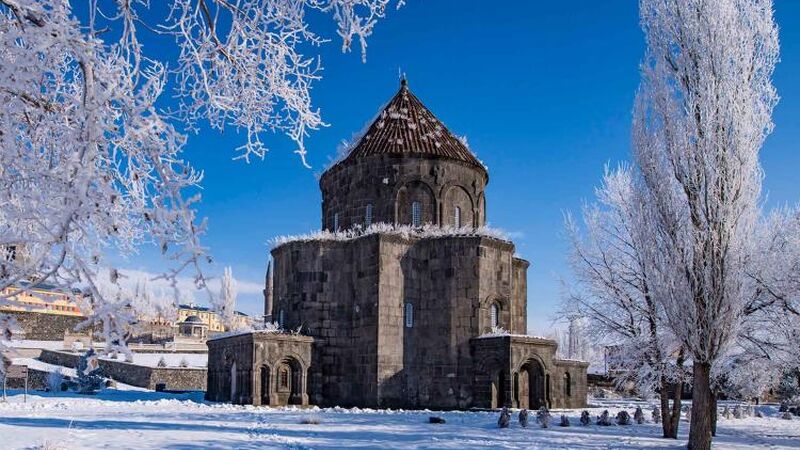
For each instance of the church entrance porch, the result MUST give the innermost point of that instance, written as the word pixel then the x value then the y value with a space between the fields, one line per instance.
pixel 522 372
pixel 259 368
pixel 532 386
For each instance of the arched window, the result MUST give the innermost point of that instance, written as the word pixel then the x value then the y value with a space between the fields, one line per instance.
pixel 567 385
pixel 409 315
pixel 368 215
pixel 283 382
pixel 457 217
pixel 494 315
pixel 336 222
pixel 416 214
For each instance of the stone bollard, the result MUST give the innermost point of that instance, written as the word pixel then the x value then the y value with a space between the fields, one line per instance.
pixel 656 415
pixel 523 418
pixel 604 419
pixel 505 418
pixel 543 417
pixel 638 415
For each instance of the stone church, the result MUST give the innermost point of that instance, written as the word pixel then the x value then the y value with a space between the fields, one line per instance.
pixel 408 301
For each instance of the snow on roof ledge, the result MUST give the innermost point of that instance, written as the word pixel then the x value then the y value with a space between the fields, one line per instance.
pixel 502 332
pixel 405 231
pixel 272 328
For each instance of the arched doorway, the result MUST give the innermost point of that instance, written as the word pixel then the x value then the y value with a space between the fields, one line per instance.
pixel 289 382
pixel 499 389
pixel 233 382
pixel 265 385
pixel 534 384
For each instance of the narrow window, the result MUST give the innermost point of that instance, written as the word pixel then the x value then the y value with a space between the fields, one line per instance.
pixel 494 313
pixel 281 318
pixel 368 215
pixel 567 385
pixel 336 222
pixel 416 214
pixel 284 379
pixel 409 315
pixel 457 217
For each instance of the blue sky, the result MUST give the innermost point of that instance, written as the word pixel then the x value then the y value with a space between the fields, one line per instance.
pixel 542 90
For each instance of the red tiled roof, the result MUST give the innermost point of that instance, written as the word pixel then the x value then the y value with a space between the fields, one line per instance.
pixel 406 126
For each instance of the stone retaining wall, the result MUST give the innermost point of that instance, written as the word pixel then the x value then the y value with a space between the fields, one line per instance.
pixel 173 378
pixel 37 381
pixel 45 327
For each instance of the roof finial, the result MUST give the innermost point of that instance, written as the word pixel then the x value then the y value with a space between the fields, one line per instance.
pixel 402 76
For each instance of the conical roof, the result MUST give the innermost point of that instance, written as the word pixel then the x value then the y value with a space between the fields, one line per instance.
pixel 406 126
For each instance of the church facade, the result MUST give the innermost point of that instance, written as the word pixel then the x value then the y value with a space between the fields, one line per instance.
pixel 426 310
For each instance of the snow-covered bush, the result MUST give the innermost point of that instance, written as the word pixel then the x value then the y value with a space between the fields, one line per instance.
pixel 310 420
pixel 788 389
pixel 523 418
pixel 162 362
pixel 55 380
pixel 623 418
pixel 90 377
pixel 585 418
pixel 52 445
pixel 564 421
pixel 183 362
pixel 786 416
pixel 737 412
pixel 726 412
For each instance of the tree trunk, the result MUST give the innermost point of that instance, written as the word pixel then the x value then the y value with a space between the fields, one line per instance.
pixel 700 427
pixel 713 414
pixel 670 417
pixel 666 423
pixel 675 417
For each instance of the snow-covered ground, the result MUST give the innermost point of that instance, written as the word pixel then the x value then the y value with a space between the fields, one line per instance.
pixel 171 359
pixel 118 419
pixel 27 343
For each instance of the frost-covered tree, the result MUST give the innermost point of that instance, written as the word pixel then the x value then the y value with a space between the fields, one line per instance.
pixel 225 303
pixel 766 345
pixel 612 260
pixel 703 111
pixel 91 157
pixel 89 374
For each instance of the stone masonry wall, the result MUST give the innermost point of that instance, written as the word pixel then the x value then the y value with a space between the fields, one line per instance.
pixel 391 182
pixel 174 378
pixel 350 297
pixel 258 356
pixel 429 364
pixel 45 327
pixel 331 290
